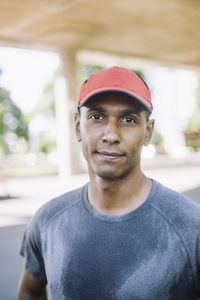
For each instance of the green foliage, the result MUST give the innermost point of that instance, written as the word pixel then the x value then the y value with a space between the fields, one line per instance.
pixel 84 71
pixel 46 105
pixel 192 132
pixel 138 72
pixel 156 138
pixel 46 145
pixel 194 122
pixel 12 122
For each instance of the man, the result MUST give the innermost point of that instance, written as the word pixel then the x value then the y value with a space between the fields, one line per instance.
pixel 123 235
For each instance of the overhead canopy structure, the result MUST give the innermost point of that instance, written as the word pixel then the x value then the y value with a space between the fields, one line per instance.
pixel 161 31
pixel 165 31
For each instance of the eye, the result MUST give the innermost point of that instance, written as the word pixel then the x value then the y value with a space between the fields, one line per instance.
pixel 128 120
pixel 95 117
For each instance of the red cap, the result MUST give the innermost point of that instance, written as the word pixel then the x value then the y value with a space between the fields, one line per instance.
pixel 116 79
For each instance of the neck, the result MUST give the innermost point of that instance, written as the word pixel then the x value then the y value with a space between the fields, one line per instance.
pixel 118 196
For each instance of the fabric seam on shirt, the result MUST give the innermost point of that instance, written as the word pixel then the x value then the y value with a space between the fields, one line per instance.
pixel 111 222
pixel 182 240
pixel 58 213
pixel 144 206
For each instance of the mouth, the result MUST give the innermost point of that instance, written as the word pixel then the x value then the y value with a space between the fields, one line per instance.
pixel 109 155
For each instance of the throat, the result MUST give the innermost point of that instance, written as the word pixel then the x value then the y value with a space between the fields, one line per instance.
pixel 115 198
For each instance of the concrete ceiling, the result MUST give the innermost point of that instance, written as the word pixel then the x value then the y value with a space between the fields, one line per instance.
pixel 165 31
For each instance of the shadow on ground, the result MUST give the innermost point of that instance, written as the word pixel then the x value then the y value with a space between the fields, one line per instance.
pixel 11 262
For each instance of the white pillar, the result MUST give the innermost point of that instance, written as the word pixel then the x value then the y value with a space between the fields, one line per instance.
pixel 63 131
pixel 65 90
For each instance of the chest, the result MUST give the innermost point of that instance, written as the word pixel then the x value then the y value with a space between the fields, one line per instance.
pixel 116 262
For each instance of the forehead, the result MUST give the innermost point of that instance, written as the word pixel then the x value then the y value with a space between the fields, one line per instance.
pixel 114 100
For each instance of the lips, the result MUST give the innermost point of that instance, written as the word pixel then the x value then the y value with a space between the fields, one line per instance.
pixel 109 155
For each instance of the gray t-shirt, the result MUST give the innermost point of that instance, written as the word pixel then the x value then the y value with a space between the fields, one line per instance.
pixel 151 253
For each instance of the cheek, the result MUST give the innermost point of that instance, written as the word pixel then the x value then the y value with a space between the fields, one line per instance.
pixel 85 144
pixel 89 140
pixel 135 139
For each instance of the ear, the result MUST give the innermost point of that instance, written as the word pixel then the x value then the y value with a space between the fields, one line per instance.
pixel 149 132
pixel 77 126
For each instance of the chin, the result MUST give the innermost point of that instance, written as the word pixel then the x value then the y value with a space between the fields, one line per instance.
pixel 107 176
pixel 110 174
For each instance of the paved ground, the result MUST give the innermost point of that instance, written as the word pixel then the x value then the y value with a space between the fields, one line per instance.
pixel 10 261
pixel 28 194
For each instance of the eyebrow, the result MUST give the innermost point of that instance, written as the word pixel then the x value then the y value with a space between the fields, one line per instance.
pixel 99 109
pixel 131 112
pixel 123 112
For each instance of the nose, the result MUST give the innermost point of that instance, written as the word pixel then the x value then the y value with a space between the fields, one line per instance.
pixel 111 134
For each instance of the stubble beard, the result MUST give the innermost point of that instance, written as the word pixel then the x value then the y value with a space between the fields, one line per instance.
pixel 107 173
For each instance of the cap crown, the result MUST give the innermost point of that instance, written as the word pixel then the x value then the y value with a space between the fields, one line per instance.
pixel 116 79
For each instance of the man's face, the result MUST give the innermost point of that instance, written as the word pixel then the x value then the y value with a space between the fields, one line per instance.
pixel 113 130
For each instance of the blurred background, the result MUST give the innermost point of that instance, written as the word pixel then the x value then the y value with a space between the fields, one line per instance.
pixel 47 49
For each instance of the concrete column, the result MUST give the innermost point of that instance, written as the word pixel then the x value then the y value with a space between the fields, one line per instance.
pixel 63 130
pixel 65 90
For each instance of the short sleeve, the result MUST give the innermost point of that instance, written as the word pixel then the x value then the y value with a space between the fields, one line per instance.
pixel 198 260
pixel 31 250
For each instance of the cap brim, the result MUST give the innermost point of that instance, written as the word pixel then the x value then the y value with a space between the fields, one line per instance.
pixel 149 108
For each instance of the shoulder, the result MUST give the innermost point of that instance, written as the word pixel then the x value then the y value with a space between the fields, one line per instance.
pixel 55 207
pixel 176 208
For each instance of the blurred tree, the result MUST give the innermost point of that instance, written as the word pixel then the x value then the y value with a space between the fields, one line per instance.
pixel 44 114
pixel 44 146
pixel 192 132
pixel 194 122
pixel 156 138
pixel 46 105
pixel 139 73
pixel 86 70
pixel 12 123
